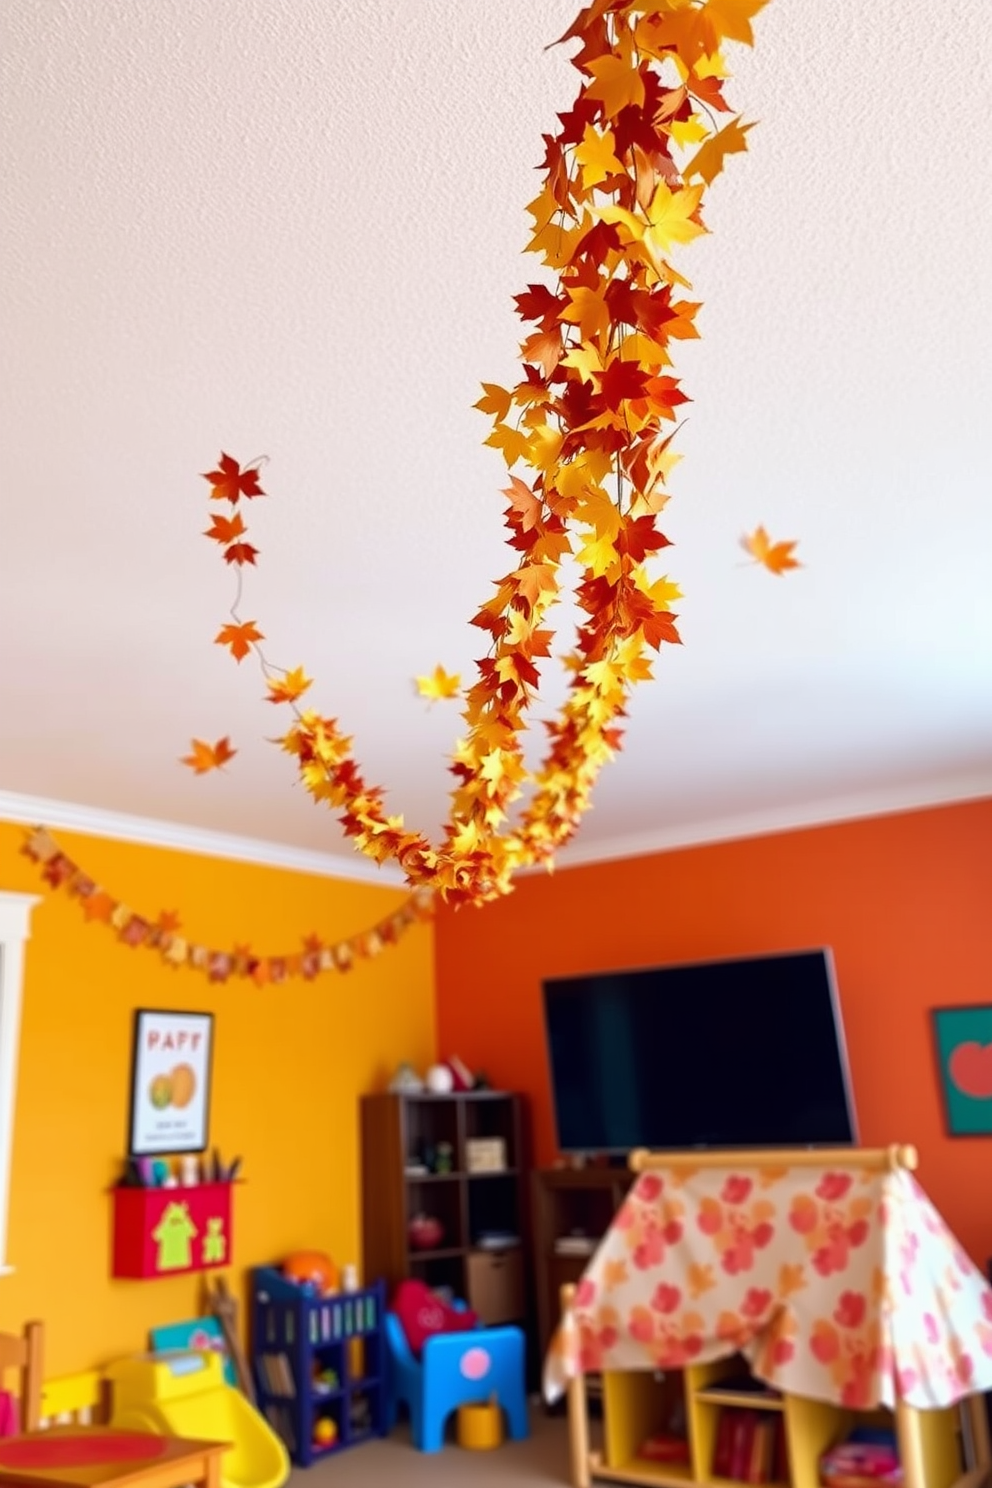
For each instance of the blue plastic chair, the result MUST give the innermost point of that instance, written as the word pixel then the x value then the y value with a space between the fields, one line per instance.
pixel 455 1369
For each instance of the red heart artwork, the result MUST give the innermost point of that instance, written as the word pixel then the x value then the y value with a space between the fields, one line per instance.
pixel 970 1068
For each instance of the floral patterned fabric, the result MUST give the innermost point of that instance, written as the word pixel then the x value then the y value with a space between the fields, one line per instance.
pixel 839 1284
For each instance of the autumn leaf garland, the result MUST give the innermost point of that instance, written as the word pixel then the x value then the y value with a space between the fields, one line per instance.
pixel 163 934
pixel 586 433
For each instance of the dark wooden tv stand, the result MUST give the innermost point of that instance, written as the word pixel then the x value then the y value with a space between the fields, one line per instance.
pixel 569 1204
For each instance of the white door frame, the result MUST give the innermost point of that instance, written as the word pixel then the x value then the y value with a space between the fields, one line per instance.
pixel 15 917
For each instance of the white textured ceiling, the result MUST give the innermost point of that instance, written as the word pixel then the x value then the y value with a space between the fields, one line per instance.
pixel 293 227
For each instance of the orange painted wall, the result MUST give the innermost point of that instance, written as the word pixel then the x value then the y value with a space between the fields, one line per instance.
pixel 289 1066
pixel 904 900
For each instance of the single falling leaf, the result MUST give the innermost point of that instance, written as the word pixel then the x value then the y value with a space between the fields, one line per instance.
pixel 709 158
pixel 230 482
pixel 776 557
pixel 168 921
pixel 440 684
pixel 225 529
pixel 208 756
pixel 288 688
pixel 240 638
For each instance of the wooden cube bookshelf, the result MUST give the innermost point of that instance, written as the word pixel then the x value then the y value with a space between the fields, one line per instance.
pixel 638 1403
pixel 398 1131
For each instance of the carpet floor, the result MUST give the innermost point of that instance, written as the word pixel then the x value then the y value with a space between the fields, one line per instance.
pixel 541 1460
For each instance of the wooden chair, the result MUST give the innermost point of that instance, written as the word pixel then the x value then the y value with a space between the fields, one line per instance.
pixel 25 1353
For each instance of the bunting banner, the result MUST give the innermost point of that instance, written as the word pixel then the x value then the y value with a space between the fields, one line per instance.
pixel 162 933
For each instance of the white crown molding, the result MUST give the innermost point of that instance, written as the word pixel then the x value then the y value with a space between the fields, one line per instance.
pixel 885 801
pixel 151 832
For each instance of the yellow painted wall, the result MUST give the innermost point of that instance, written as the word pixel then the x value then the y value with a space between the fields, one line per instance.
pixel 289 1066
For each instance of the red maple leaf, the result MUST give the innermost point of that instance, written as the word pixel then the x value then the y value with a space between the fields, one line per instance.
pixel 230 482
pixel 240 553
pixel 640 536
pixel 538 303
pixel 622 381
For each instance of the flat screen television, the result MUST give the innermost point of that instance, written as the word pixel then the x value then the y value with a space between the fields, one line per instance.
pixel 746 1052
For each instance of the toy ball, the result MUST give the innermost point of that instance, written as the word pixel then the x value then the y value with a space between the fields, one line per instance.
pixel 325 1431
pixel 311 1268
pixel 440 1080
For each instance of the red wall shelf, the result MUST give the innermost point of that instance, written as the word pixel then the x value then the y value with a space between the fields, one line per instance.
pixel 169 1231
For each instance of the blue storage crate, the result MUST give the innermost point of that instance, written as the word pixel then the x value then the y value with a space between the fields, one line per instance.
pixel 297 1336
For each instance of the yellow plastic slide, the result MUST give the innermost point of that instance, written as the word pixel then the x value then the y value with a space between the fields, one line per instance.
pixel 184 1394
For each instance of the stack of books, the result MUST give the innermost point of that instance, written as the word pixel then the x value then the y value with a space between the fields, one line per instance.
pixel 750 1446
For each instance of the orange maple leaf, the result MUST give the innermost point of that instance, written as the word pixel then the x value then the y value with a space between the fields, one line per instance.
pixel 225 529
pixel 289 687
pixel 240 638
pixel 776 557
pixel 209 756
pixel 98 906
pixel 524 502
pixel 230 482
pixel 168 921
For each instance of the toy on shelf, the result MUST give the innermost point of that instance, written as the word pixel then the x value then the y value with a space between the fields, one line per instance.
pixel 325 1432
pixel 316 1358
pixel 406 1081
pixel 184 1394
pixel 868 1458
pixel 313 1270
pixel 425 1232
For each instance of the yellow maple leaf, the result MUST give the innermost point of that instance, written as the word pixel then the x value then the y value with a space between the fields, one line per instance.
pixel 615 83
pixel 709 158
pixel 598 554
pixel 688 131
pixel 288 687
pixel 595 154
pixel 662 592
pixel 586 359
pixel 495 400
pixel 670 215
pixel 732 18
pixel 511 442
pixel 711 66
pixel 588 310
pixel 440 684
pixel 596 510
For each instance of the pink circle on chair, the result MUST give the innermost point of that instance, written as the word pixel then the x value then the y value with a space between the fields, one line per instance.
pixel 88 1449
pixel 475 1363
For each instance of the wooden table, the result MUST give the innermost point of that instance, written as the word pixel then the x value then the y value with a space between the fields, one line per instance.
pixel 100 1457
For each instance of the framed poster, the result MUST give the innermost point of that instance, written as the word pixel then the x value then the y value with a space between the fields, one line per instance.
pixel 963 1040
pixel 170 1082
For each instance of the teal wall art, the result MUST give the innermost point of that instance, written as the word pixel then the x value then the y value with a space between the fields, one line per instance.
pixel 963 1040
